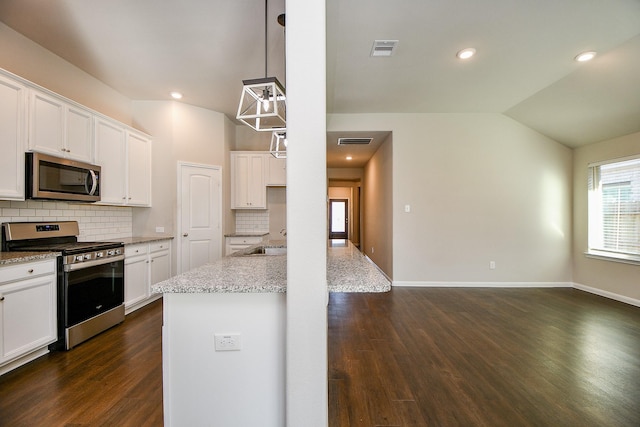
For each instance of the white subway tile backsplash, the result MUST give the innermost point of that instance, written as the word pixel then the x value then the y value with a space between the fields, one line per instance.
pixel 253 221
pixel 95 222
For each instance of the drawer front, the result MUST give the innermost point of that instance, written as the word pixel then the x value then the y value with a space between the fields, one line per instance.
pixel 250 240
pixel 27 270
pixel 135 250
pixel 159 246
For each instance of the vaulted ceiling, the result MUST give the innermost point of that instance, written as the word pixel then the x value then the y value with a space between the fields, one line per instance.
pixel 524 66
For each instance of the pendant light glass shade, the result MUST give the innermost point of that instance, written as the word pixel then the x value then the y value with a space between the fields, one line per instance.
pixel 262 105
pixel 278 147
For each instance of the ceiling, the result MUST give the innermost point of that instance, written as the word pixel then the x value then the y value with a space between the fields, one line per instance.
pixel 524 66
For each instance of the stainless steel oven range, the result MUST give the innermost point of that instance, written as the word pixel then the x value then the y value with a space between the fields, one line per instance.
pixel 90 277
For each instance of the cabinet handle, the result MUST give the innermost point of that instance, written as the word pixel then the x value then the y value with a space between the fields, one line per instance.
pixel 1 298
pixel 185 235
pixel 30 270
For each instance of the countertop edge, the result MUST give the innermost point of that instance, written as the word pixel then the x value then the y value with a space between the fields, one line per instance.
pixel 9 258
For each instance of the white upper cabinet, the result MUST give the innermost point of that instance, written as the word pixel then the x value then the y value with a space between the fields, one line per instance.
pixel 248 190
pixel 139 169
pixel 34 119
pixel 110 140
pixel 59 128
pixel 12 138
pixel 277 171
pixel 125 159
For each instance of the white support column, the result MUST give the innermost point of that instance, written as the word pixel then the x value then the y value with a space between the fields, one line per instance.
pixel 307 296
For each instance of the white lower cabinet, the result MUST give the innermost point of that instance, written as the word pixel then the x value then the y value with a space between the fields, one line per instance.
pixel 145 264
pixel 27 312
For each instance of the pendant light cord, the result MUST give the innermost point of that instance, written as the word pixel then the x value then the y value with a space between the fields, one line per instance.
pixel 266 9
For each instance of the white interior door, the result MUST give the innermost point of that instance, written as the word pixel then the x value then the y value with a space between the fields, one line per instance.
pixel 199 214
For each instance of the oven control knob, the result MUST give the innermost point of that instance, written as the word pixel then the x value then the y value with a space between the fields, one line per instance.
pixel 79 258
pixel 99 254
pixel 87 256
pixel 111 252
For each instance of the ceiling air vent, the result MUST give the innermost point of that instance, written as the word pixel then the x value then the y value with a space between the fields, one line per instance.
pixel 354 141
pixel 384 47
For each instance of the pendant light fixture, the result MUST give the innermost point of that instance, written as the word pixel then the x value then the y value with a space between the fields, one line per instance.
pixel 278 148
pixel 262 103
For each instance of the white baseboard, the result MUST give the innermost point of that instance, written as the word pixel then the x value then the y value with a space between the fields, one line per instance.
pixel 595 291
pixel 422 284
pixel 607 294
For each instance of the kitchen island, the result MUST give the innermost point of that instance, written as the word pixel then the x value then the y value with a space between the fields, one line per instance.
pixel 348 270
pixel 224 332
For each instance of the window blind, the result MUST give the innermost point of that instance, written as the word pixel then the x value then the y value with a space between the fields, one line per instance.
pixel 614 207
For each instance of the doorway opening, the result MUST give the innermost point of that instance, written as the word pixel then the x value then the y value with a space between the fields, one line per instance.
pixel 339 219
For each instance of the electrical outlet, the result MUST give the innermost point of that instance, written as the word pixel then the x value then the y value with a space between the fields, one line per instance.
pixel 492 265
pixel 373 250
pixel 407 208
pixel 227 342
pixel 159 229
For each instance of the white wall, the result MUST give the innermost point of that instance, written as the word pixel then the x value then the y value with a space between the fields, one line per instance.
pixel 306 215
pixel 609 278
pixel 31 61
pixel 277 208
pixel 181 132
pixel 377 218
pixel 482 188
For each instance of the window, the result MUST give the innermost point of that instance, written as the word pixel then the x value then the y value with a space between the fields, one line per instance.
pixel 614 209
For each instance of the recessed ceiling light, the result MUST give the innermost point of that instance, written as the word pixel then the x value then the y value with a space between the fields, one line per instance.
pixel 349 158
pixel 176 95
pixel 466 53
pixel 585 56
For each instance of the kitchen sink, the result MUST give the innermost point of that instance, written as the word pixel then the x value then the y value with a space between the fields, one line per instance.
pixel 266 250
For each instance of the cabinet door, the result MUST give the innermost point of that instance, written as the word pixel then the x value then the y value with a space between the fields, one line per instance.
pixel 78 135
pixel 277 175
pixel 136 280
pixel 12 138
pixel 248 189
pixel 110 155
pixel 257 189
pixel 139 170
pixel 46 124
pixel 160 266
pixel 27 316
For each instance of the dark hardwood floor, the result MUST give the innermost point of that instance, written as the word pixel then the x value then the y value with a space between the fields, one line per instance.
pixel 483 357
pixel 114 379
pixel 411 357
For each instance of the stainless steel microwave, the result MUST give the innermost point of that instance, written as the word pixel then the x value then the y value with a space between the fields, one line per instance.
pixel 53 178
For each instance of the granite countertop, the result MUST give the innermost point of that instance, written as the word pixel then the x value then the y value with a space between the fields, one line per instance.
pixel 247 234
pixel 7 258
pixel 144 239
pixel 348 270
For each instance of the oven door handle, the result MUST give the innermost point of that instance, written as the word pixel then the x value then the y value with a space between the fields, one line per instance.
pixel 92 263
